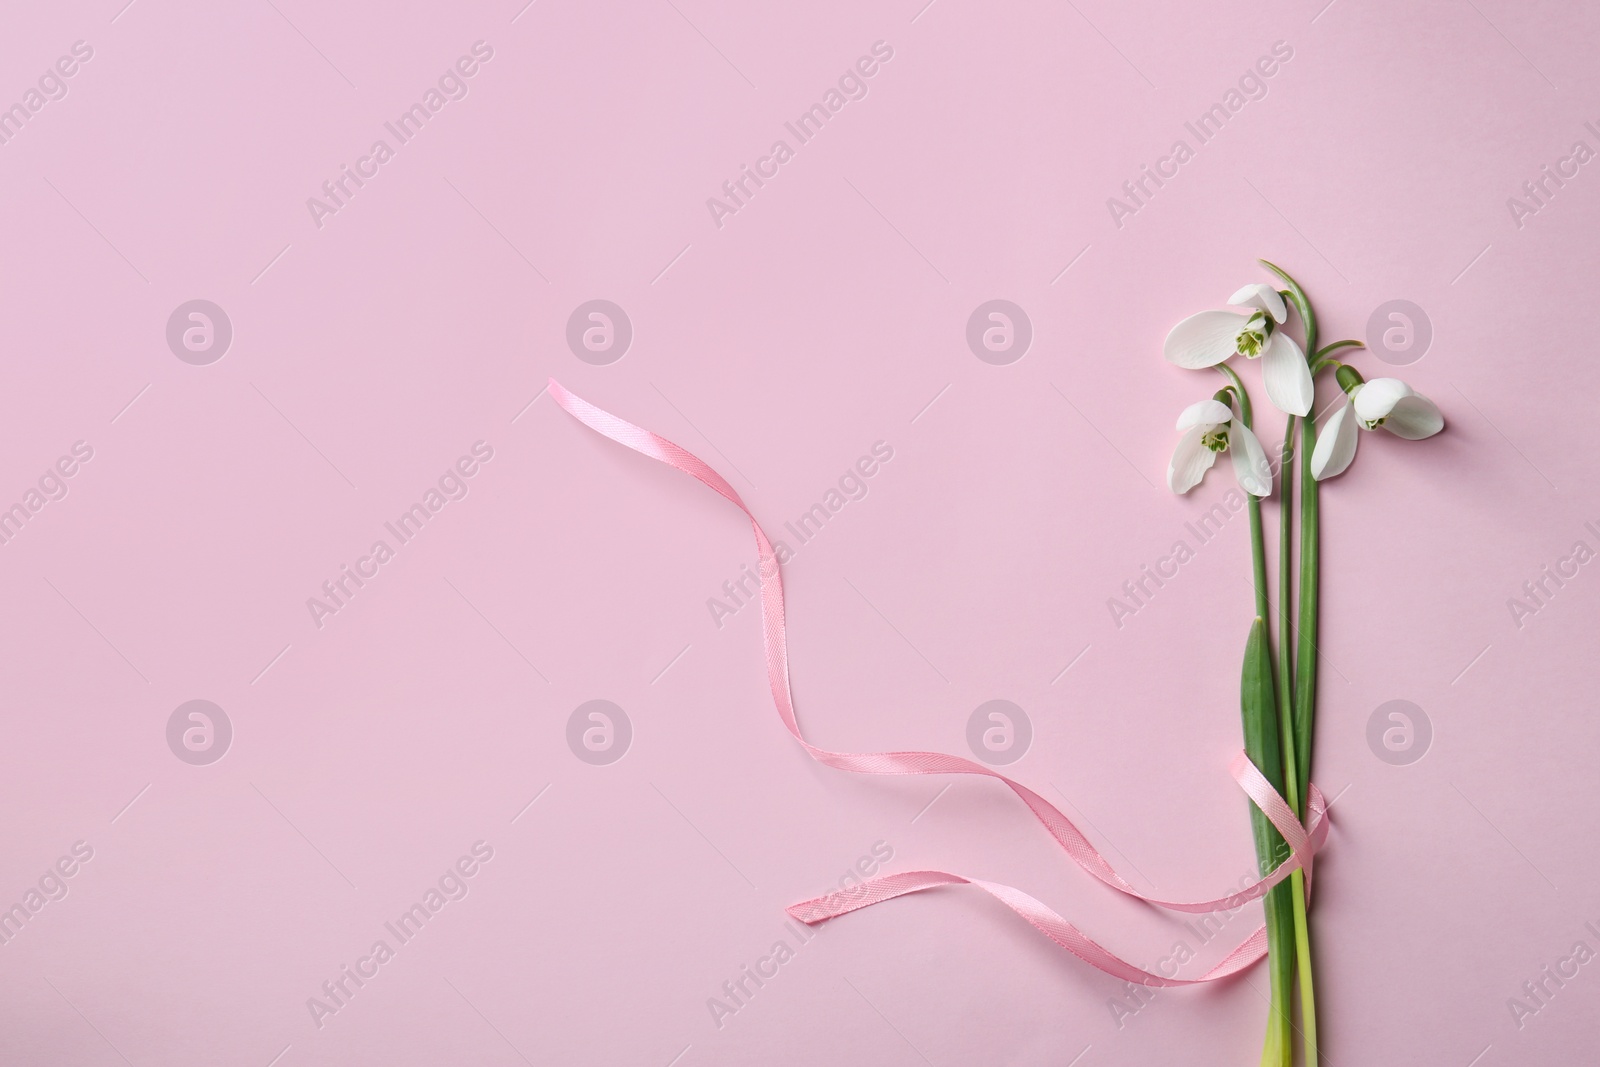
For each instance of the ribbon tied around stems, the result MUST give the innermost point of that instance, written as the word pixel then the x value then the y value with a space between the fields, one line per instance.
pixel 1303 839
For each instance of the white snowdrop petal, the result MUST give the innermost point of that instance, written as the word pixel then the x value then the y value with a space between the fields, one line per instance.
pixel 1204 340
pixel 1208 412
pixel 1286 375
pixel 1336 444
pixel 1249 461
pixel 1264 297
pixel 1414 417
pixel 1190 461
pixel 1378 397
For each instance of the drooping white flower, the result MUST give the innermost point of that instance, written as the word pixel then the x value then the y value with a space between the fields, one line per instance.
pixel 1383 402
pixel 1209 427
pixel 1206 339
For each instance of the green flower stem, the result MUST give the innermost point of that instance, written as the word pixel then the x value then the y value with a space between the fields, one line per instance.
pixel 1323 354
pixel 1305 699
pixel 1305 695
pixel 1285 659
pixel 1293 761
pixel 1267 747
pixel 1298 718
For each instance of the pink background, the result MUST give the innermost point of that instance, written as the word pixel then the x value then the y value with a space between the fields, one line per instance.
pixel 826 315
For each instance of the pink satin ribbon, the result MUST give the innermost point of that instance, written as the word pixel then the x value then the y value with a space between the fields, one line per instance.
pixel 1303 840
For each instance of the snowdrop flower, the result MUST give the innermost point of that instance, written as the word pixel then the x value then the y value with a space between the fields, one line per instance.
pixel 1386 402
pixel 1209 427
pixel 1206 339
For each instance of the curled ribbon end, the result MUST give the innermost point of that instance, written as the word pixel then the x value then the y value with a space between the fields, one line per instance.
pixel 1303 838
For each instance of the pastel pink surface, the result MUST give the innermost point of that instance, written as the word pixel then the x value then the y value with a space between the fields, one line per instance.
pixel 828 314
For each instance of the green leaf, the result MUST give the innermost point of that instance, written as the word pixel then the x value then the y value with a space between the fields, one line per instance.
pixel 1258 706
